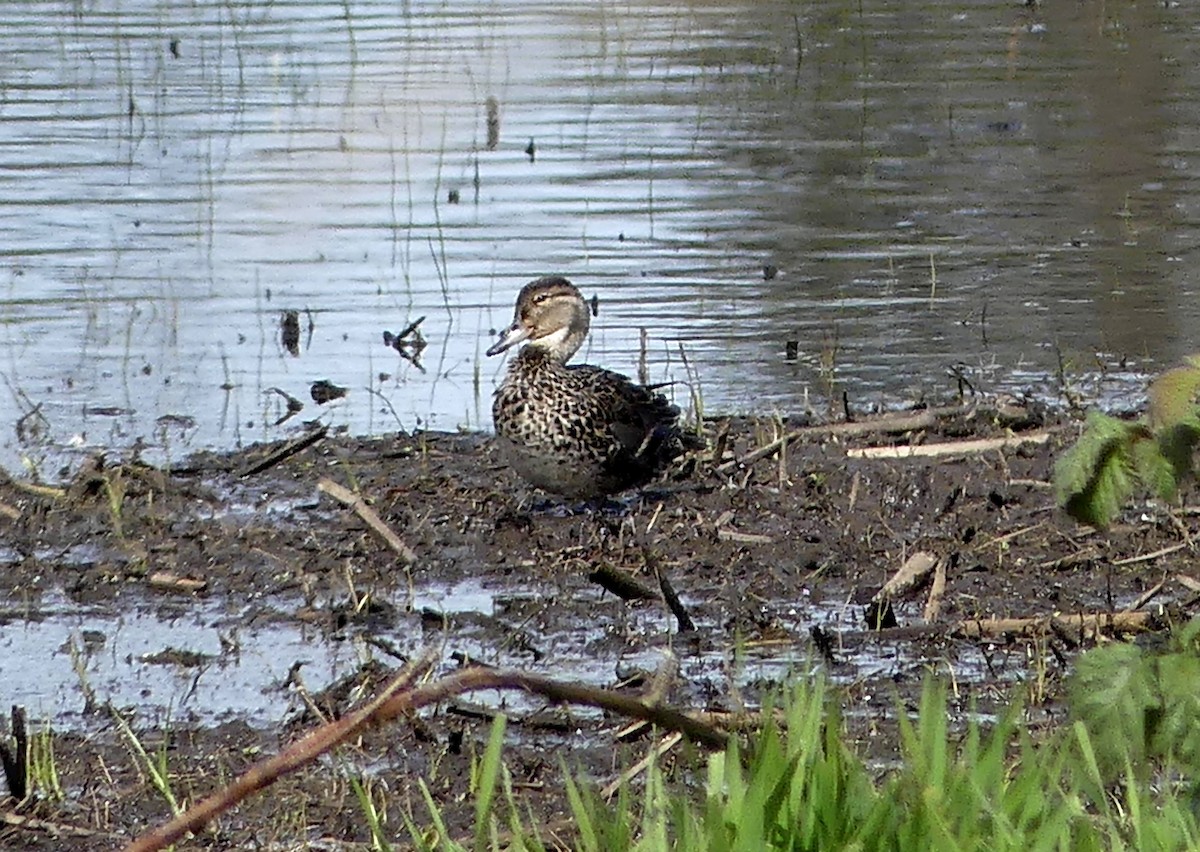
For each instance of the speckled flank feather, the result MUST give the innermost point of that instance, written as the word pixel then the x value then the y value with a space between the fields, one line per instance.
pixel 580 431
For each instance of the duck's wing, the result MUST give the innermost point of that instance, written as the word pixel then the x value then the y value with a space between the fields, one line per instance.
pixel 640 420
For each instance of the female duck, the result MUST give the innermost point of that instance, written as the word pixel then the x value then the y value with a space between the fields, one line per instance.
pixel 582 432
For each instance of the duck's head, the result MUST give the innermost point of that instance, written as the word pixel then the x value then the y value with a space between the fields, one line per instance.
pixel 552 315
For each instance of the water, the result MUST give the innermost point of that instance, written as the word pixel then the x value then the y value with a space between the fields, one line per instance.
pixel 960 183
pixel 208 661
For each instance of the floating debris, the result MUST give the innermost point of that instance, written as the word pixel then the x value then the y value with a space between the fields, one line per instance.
pixel 410 343
pixel 324 391
pixel 183 421
pixel 294 406
pixel 106 410
pixel 493 123
pixel 289 332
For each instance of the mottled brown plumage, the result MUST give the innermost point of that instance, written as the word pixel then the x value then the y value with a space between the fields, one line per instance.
pixel 579 431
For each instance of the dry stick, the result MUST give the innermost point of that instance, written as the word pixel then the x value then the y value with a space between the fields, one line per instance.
pixel 47 491
pixel 54 829
pixel 401 697
pixel 286 451
pixel 666 744
pixel 730 534
pixel 1146 557
pixel 1147 596
pixel 673 603
pixel 889 423
pixel 1001 539
pixel 922 420
pixel 169 581
pixel 949 448
pixel 1189 583
pixel 908 576
pixel 351 500
pixel 933 605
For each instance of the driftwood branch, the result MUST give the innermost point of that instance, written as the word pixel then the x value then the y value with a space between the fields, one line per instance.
pixel 402 697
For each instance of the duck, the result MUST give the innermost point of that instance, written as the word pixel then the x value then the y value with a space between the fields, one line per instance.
pixel 577 431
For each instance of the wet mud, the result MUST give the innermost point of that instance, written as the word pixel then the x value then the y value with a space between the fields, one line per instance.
pixel 221 608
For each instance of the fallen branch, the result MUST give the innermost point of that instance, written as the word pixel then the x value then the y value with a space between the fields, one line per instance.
pixel 352 501
pixel 399 698
pixel 950 448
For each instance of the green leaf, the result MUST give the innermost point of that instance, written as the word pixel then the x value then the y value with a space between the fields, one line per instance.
pixel 1174 395
pixel 488 774
pixel 1092 479
pixel 1154 468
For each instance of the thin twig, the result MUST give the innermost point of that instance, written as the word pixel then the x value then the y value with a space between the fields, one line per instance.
pixel 888 423
pixel 662 747
pixel 1147 557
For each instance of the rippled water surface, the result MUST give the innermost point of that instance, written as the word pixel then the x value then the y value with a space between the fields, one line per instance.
pixel 1012 190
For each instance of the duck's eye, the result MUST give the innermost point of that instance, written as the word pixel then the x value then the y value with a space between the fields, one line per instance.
pixel 540 298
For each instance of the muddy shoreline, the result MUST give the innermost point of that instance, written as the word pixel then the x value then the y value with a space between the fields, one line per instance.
pixel 263 574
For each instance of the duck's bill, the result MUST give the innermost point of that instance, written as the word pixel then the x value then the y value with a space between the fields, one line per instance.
pixel 510 337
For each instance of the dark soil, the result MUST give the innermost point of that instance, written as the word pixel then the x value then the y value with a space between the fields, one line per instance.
pixel 762 555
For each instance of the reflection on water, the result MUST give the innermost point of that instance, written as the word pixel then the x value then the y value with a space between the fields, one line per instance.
pixel 956 183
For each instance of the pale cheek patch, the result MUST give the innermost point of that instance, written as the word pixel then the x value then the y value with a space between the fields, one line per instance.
pixel 554 339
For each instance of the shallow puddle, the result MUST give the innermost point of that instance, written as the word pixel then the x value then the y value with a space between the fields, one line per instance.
pixel 206 661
